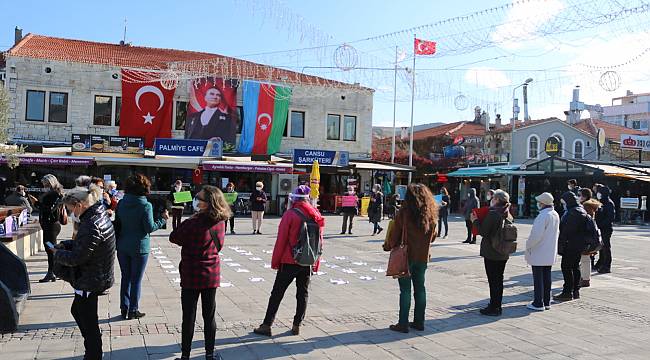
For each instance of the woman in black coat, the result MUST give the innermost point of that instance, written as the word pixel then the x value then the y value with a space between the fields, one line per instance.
pixel 49 216
pixel 375 208
pixel 571 244
pixel 87 262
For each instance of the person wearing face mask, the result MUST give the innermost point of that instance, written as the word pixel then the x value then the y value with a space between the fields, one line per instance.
pixel 375 209
pixel 19 198
pixel 605 220
pixel 572 186
pixel 201 238
pixel 471 203
pixel 177 208
pixel 591 207
pixel 571 244
pixel 443 212
pixel 91 258
pixel 495 262
pixel 50 211
pixel 134 221
pixel 258 205
pixel 541 251
pixel 488 196
pixel 349 205
pixel 230 189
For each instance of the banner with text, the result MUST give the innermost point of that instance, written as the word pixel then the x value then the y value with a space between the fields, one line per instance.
pixel 324 157
pixel 189 147
pixel 636 142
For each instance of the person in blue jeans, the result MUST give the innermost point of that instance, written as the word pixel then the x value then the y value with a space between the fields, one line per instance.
pixel 541 251
pixel 415 226
pixel 134 221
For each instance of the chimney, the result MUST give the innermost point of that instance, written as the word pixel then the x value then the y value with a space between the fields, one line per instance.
pixel 18 35
pixel 629 93
pixel 497 121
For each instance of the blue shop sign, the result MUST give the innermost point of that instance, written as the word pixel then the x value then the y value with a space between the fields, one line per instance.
pixel 324 157
pixel 189 147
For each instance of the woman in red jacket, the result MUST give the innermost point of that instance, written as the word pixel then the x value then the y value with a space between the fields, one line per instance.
pixel 288 233
pixel 201 238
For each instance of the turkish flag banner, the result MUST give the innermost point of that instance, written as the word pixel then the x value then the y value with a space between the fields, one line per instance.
pixel 424 47
pixel 146 109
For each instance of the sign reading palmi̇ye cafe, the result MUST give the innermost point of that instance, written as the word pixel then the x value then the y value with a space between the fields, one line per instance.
pixel 636 142
pixel 552 146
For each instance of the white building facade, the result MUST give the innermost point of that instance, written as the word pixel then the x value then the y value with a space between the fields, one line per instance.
pixel 631 111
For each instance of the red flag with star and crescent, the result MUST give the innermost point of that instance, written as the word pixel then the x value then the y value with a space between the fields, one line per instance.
pixel 424 47
pixel 146 108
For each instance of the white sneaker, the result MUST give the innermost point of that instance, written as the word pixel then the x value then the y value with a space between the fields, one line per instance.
pixel 535 308
pixel 547 307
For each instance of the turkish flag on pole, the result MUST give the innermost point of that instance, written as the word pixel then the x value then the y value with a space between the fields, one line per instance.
pixel 424 47
pixel 146 109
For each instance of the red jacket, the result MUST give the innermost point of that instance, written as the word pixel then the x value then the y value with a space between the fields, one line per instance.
pixel 288 232
pixel 200 266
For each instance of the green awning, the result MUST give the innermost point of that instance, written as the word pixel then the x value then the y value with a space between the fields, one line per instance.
pixel 493 171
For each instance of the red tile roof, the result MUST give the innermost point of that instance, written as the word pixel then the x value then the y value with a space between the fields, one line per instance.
pixel 462 128
pixel 139 57
pixel 518 125
pixel 612 131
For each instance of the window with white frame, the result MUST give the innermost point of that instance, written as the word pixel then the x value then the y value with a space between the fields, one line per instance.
pixel 578 149
pixel 533 146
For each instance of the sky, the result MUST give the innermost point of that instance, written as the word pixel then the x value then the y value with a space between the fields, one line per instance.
pixel 485 48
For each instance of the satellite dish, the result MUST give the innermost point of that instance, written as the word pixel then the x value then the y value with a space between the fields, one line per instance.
pixel 601 137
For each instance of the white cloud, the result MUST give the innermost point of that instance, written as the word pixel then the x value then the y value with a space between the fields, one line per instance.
pixel 487 77
pixel 523 20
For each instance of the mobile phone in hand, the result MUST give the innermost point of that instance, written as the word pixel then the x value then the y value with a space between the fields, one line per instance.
pixel 49 245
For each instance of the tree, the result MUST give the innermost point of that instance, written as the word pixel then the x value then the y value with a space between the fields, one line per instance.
pixel 9 152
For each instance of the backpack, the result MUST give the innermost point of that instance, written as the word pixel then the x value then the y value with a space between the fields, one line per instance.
pixel 506 243
pixel 309 247
pixel 593 242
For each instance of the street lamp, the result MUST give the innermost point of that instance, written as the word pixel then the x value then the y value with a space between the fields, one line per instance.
pixel 515 114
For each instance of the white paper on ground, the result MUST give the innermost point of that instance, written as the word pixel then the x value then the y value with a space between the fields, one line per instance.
pixel 226 260
pixel 323 261
pixel 160 257
pixel 172 271
pixel 267 266
pixel 167 266
pixel 379 270
pixel 256 279
pixel 241 251
pixel 155 248
pixel 242 270
pixel 232 264
pixel 156 252
pixel 338 281
pixel 359 263
pixel 247 253
pixel 226 284
pixel 332 266
pixel 340 257
pixel 164 262
pixel 267 251
pixel 367 278
pixel 349 271
pixel 233 248
pixel 255 259
pixel 320 273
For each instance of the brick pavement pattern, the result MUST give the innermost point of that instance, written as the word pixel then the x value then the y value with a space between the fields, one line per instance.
pixel 352 303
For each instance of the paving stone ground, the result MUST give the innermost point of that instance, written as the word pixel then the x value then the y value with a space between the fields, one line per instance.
pixel 352 303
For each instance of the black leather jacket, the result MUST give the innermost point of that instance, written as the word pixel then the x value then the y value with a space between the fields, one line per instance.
pixel 573 227
pixel 92 253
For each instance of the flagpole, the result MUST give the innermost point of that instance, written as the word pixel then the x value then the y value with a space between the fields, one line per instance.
pixel 412 109
pixel 392 156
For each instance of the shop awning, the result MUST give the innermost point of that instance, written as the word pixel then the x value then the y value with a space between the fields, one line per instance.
pixel 28 159
pixel 378 166
pixel 493 171
pixel 248 166
pixel 165 162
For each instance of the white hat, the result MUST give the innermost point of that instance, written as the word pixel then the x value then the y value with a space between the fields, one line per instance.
pixel 545 198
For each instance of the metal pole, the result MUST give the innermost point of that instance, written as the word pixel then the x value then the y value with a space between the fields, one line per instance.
pixel 412 109
pixel 526 102
pixel 392 156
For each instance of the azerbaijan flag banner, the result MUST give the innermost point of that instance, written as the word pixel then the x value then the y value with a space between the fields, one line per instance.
pixel 266 108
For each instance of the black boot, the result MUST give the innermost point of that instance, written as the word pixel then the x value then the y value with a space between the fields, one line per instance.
pixel 49 277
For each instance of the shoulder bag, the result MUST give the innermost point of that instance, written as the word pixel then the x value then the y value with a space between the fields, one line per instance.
pixel 398 262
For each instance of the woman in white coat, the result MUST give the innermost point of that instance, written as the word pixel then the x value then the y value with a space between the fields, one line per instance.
pixel 541 250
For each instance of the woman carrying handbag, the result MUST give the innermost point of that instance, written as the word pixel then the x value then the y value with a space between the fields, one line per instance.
pixel 409 241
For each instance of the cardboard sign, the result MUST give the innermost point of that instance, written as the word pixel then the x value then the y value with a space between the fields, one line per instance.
pixel 182 197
